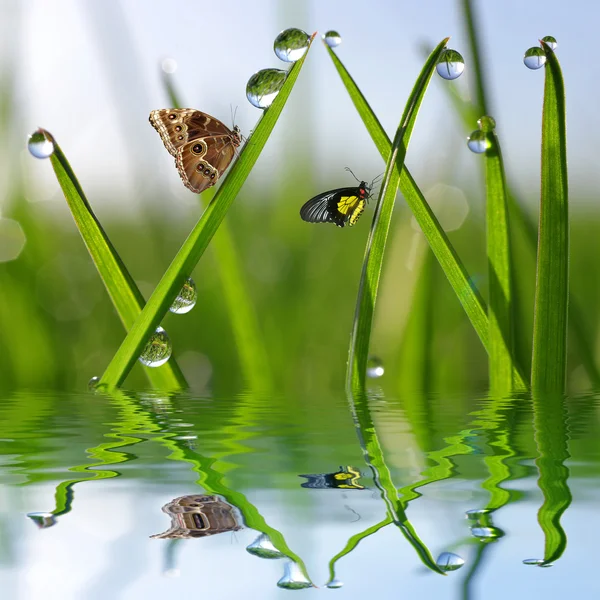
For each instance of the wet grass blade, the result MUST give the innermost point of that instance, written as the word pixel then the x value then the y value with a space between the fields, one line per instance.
pixel 453 268
pixel 372 263
pixel 194 246
pixel 126 297
pixel 549 359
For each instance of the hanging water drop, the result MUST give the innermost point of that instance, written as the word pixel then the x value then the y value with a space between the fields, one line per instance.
pixel 291 44
pixel 293 577
pixel 374 367
pixel 550 42
pixel 535 58
pixel 186 299
pixel 487 534
pixel 158 349
pixel 263 547
pixel 448 561
pixel 478 142
pixel 334 584
pixel 40 144
pixel 487 124
pixel 450 65
pixel 537 562
pixel 262 88
pixel 42 519
pixel 332 38
pixel 168 66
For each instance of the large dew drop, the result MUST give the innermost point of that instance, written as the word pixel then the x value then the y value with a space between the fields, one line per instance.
pixel 535 58
pixel 158 349
pixel 42 519
pixel 293 577
pixel 332 38
pixel 450 65
pixel 263 547
pixel 40 144
pixel 375 368
pixel 550 42
pixel 291 44
pixel 262 88
pixel 186 299
pixel 478 142
pixel 448 561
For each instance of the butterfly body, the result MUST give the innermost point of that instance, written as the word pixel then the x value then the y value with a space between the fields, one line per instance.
pixel 342 206
pixel 203 147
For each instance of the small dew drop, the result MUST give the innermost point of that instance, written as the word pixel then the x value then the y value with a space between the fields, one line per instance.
pixel 291 44
pixel 42 519
pixel 93 383
pixel 332 38
pixel 263 547
pixel 487 124
pixel 375 368
pixel 40 144
pixel 486 534
pixel 537 562
pixel 186 299
pixel 262 88
pixel 448 561
pixel 550 42
pixel 478 142
pixel 477 514
pixel 450 65
pixel 535 58
pixel 293 577
pixel 334 584
pixel 169 65
pixel 158 349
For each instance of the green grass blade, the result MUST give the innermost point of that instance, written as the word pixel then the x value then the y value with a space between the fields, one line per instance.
pixel 476 57
pixel 500 308
pixel 198 240
pixel 549 359
pixel 372 264
pixel 126 297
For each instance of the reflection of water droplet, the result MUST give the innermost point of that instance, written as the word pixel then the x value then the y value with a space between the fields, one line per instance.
pixel 550 42
pixel 186 299
pixel 293 577
pixel 158 349
pixel 42 519
pixel 262 88
pixel 334 584
pixel 291 44
pixel 40 144
pixel 93 383
pixel 534 58
pixel 478 142
pixel 477 514
pixel 374 367
pixel 332 38
pixel 169 65
pixel 448 561
pixel 263 547
pixel 537 562
pixel 184 437
pixel 450 64
pixel 487 124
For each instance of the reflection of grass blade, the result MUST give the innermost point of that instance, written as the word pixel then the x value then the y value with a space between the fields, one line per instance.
pixel 127 299
pixel 253 356
pixel 196 243
pixel 372 264
pixel 549 359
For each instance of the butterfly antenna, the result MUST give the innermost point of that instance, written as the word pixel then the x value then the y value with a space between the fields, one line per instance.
pixel 353 175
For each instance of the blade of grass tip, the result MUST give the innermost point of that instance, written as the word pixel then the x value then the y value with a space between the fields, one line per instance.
pixel 458 277
pixel 125 295
pixel 549 358
pixel 252 353
pixel 500 308
pixel 198 240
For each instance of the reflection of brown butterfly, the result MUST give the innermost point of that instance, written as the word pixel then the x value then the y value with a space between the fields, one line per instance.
pixel 202 146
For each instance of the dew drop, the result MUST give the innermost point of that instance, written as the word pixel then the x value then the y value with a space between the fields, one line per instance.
pixel 158 349
pixel 550 42
pixel 374 367
pixel 42 519
pixel 478 142
pixel 477 514
pixel 487 124
pixel 93 383
pixel 535 58
pixel 334 584
pixel 291 44
pixel 40 144
pixel 293 577
pixel 487 534
pixel 448 561
pixel 450 65
pixel 263 547
pixel 169 65
pixel 332 38
pixel 186 299
pixel 537 562
pixel 262 88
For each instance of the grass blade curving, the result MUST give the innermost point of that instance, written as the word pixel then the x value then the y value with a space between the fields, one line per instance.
pixel 126 297
pixel 198 240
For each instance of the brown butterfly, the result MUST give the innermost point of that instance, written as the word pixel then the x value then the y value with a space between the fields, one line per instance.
pixel 202 146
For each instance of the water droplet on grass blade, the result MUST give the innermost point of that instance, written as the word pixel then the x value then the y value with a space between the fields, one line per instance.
pixel 334 584
pixel 448 561
pixel 550 42
pixel 158 349
pixel 291 44
pixel 263 547
pixel 332 38
pixel 478 142
pixel 262 88
pixel 42 519
pixel 40 144
pixel 93 383
pixel 534 58
pixel 486 124
pixel 186 299
pixel 536 562
pixel 169 65
pixel 450 65
pixel 293 577
pixel 374 367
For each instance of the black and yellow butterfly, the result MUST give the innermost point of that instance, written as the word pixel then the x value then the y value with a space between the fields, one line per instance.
pixel 345 479
pixel 341 207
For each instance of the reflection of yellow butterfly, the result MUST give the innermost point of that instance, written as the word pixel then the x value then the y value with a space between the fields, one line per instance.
pixel 346 479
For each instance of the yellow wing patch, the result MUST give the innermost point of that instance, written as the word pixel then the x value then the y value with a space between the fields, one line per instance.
pixel 346 204
pixel 358 210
